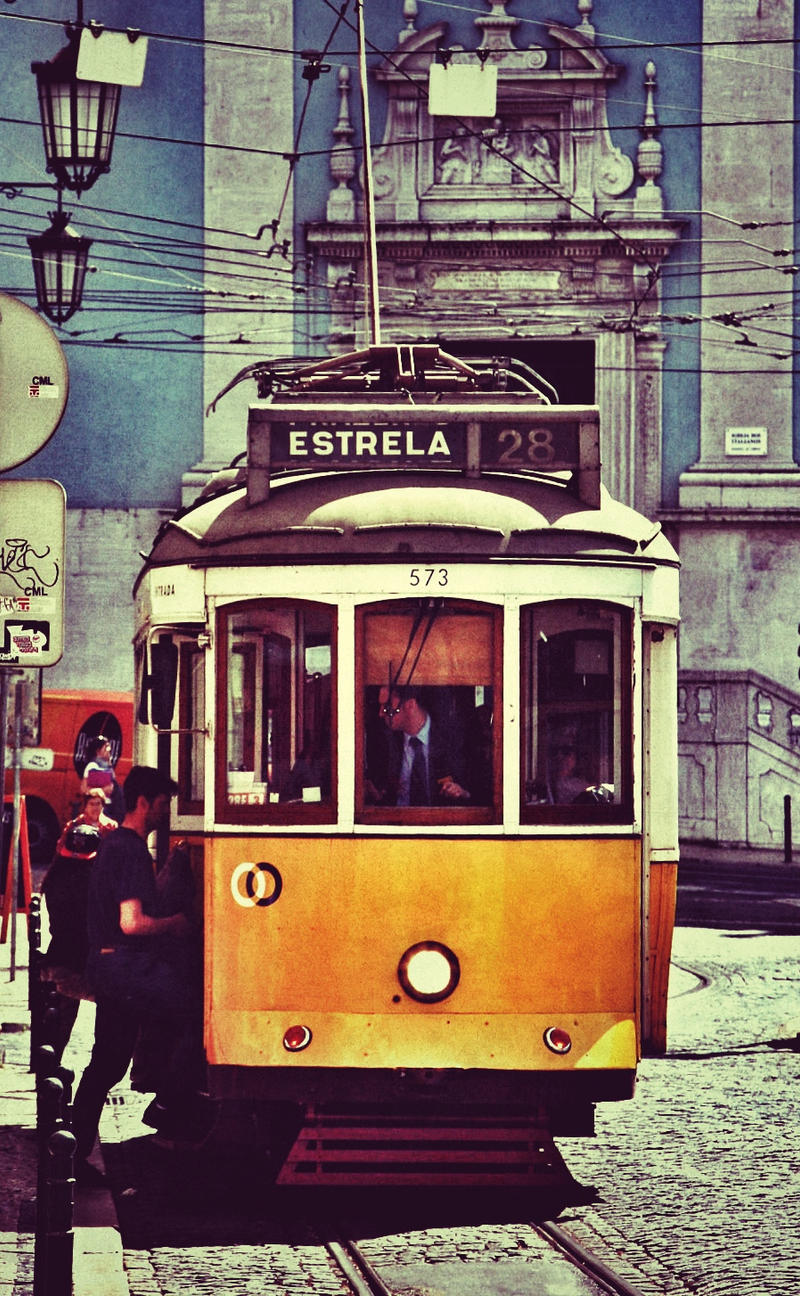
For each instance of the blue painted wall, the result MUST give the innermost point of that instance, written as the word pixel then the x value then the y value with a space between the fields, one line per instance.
pixel 631 33
pixel 133 422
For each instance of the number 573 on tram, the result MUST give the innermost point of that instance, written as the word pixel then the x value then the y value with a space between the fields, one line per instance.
pixel 414 672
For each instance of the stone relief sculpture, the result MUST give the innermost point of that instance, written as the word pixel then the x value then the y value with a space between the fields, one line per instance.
pixel 512 151
pixel 548 151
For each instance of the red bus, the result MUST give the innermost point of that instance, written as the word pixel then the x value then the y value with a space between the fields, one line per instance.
pixel 69 719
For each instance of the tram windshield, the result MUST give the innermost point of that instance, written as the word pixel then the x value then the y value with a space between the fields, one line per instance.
pixel 428 690
pixel 428 707
pixel 576 708
pixel 276 707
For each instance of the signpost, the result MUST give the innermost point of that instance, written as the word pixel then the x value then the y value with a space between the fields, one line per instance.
pixel 34 387
pixel 32 544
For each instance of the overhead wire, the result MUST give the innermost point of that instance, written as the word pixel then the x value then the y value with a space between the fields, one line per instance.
pixel 201 288
pixel 606 42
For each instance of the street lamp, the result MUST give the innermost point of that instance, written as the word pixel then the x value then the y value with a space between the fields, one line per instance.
pixel 60 259
pixel 78 119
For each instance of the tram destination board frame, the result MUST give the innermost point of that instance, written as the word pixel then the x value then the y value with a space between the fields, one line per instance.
pixel 471 438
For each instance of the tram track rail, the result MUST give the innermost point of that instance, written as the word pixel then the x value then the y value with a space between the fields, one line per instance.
pixel 703 979
pixel 589 1264
pixel 356 1268
pixel 365 1280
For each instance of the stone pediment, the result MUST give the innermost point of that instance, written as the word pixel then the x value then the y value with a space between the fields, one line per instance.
pixel 546 154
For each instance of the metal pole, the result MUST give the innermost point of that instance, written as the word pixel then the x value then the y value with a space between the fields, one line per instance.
pixel 4 675
pixel 13 857
pixel 371 251
pixel 787 829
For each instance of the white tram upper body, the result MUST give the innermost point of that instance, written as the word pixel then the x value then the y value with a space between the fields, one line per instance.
pixel 510 938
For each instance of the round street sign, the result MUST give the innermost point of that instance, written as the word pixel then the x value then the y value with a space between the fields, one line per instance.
pixel 34 382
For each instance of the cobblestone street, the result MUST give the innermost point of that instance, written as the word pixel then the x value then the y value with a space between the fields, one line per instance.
pixel 698 1176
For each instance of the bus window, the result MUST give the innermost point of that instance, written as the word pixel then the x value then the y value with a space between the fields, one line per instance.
pixel 428 682
pixel 275 710
pixel 576 713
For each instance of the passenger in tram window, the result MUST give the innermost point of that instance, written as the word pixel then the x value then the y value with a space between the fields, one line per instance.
pixel 424 766
pixel 310 776
pixel 573 772
pixel 565 779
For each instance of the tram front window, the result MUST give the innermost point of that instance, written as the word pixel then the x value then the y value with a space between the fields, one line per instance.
pixel 276 701
pixel 576 709
pixel 428 690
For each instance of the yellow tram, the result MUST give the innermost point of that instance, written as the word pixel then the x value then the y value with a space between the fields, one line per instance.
pixel 417 558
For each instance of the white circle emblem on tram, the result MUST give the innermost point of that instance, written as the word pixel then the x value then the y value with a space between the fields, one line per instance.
pixel 249 884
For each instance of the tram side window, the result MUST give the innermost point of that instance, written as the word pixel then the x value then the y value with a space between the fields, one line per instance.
pixel 191 738
pixel 277 672
pixel 576 707
pixel 429 688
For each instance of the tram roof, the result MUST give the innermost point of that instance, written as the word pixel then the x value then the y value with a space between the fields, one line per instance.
pixel 325 516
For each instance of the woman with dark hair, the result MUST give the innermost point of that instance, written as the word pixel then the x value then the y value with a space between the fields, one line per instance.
pixel 99 772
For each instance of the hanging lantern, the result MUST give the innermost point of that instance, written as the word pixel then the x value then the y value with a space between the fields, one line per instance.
pixel 78 119
pixel 60 258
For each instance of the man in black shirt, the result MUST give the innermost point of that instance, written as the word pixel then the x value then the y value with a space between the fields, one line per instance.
pixel 141 969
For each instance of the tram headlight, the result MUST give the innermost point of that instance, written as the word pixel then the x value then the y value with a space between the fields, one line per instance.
pixel 428 972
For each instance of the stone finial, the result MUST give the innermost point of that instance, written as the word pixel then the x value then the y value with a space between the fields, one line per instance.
pixel 497 27
pixel 650 124
pixel 341 202
pixel 585 27
pixel 410 11
pixel 649 154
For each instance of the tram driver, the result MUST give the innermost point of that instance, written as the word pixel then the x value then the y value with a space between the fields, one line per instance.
pixel 421 765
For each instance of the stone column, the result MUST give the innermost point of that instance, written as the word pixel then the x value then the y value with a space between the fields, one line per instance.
pixel 247 99
pixel 746 458
pixel 647 425
pixel 615 363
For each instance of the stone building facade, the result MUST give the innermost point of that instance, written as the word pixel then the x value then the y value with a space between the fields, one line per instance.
pixel 738 520
pixel 645 269
pixel 533 230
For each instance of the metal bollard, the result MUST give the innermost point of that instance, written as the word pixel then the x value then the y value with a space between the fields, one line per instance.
pixel 35 983
pixel 67 1079
pixel 46 1063
pixel 49 1121
pixel 49 1111
pixel 54 1246
pixel 50 1014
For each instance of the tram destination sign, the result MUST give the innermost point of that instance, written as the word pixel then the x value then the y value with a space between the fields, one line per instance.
pixel 471 439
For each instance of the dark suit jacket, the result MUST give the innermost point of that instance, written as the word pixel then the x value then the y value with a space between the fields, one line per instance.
pixel 443 759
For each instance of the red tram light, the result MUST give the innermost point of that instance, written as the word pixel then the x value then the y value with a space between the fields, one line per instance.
pixel 296 1038
pixel 557 1039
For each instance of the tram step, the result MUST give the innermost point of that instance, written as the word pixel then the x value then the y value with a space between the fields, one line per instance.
pixel 352 1148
